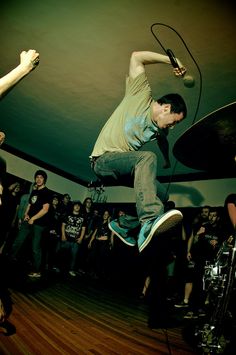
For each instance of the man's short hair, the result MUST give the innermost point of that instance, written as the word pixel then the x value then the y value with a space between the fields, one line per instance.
pixel 77 202
pixel 42 173
pixel 176 101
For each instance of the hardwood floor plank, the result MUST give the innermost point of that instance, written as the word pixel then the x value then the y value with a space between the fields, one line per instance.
pixel 82 317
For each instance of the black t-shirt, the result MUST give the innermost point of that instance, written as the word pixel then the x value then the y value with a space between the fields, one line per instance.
pixel 73 226
pixel 37 199
pixel 228 226
pixel 103 230
pixel 54 220
pixel 8 210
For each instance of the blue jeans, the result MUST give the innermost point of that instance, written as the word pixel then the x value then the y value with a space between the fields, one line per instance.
pixel 36 233
pixel 73 249
pixel 137 169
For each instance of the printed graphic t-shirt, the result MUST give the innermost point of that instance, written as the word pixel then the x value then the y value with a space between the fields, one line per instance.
pixel 73 226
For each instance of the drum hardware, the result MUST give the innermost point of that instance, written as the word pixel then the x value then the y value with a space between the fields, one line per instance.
pixel 218 282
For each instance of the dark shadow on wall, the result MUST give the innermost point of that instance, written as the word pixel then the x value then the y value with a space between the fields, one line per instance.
pixel 191 193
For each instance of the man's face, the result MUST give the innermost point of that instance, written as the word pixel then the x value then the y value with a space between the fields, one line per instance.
pixel 106 215
pixel 121 213
pixel 66 199
pixel 39 181
pixel 213 217
pixel 88 203
pixel 205 213
pixel 17 188
pixel 55 201
pixel 168 119
pixel 76 208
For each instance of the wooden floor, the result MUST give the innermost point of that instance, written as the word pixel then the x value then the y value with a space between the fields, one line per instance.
pixel 81 316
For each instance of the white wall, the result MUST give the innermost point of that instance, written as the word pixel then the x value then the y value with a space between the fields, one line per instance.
pixel 203 192
pixel 185 194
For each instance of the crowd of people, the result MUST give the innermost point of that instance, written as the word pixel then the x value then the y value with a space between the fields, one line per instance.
pixel 50 228
pixel 52 235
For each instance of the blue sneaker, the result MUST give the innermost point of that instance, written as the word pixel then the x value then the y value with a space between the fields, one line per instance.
pixel 160 225
pixel 122 233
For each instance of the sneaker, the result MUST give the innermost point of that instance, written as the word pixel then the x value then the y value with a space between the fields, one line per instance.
pixel 122 233
pixel 7 329
pixel 145 235
pixel 160 225
pixel 81 272
pixel 181 305
pixel 35 275
pixel 191 315
pixel 201 313
pixel 72 273
pixel 56 269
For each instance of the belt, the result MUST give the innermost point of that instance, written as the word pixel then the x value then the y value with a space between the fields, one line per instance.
pixel 93 161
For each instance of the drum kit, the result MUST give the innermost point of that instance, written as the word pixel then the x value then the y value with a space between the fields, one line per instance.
pixel 210 145
pixel 218 281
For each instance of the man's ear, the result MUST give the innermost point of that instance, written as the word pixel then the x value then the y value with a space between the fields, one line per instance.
pixel 166 108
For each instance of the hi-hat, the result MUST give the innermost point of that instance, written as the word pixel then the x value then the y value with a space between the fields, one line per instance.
pixel 210 144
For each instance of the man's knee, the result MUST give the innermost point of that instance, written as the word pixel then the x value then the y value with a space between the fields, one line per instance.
pixel 149 158
pixel 150 155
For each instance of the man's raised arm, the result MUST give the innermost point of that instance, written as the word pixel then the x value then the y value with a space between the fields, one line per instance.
pixel 28 61
pixel 138 61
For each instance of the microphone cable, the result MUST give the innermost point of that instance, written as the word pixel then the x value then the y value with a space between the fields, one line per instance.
pixel 200 82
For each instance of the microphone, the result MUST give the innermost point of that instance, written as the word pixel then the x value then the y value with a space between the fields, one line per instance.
pixel 188 80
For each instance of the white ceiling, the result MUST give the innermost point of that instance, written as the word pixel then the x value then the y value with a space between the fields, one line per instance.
pixel 56 113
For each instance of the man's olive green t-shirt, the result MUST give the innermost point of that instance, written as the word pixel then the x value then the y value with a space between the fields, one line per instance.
pixel 130 126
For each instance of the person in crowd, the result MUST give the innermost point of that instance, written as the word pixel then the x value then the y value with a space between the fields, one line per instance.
pixel 100 248
pixel 204 248
pixel 72 234
pixel 118 216
pixel 158 284
pixel 199 221
pixel 5 299
pixel 116 159
pixel 201 218
pixel 160 315
pixel 145 287
pixel 229 228
pixel 89 219
pixel 65 206
pixel 230 215
pixel 88 214
pixel 169 205
pixel 28 61
pixel 24 201
pixel 35 223
pixel 8 213
pixel 53 235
